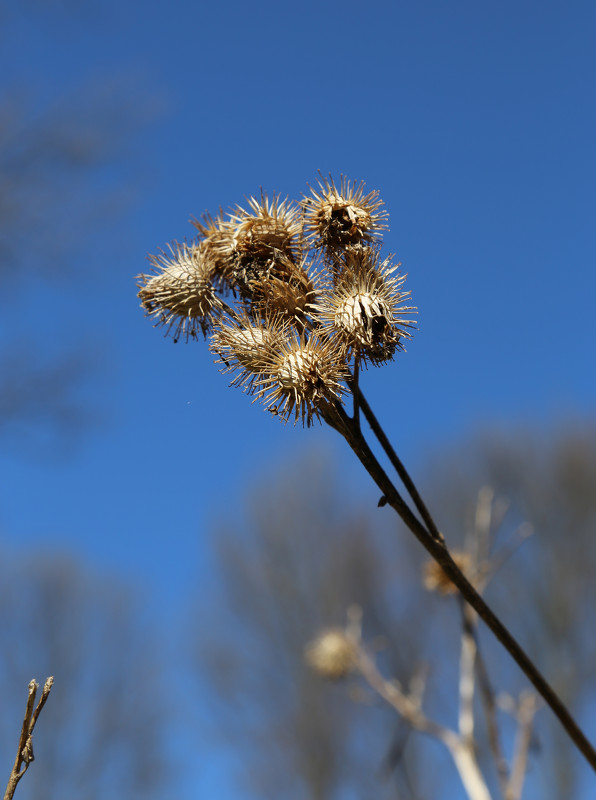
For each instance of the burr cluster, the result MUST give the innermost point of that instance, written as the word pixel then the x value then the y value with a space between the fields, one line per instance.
pixel 293 296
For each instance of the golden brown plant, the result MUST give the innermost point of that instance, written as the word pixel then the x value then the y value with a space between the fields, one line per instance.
pixel 295 296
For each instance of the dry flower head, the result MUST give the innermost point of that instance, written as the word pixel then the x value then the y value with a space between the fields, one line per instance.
pixel 336 218
pixel 180 295
pixel 296 296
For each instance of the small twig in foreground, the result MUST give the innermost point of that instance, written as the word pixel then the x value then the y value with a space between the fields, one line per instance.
pixel 25 750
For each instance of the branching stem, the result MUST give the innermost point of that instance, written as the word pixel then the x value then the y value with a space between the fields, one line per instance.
pixel 433 542
pixel 24 755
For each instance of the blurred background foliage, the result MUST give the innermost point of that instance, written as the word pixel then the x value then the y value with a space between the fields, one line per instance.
pixel 302 551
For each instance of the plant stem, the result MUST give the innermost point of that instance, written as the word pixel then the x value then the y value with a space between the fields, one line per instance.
pixel 398 466
pixel 337 418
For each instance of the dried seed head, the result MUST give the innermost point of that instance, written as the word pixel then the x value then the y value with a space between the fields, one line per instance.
pixel 302 377
pixel 261 234
pixel 244 345
pixel 180 295
pixel 335 218
pixel 285 288
pixel 363 307
pixel 332 654
pixel 435 579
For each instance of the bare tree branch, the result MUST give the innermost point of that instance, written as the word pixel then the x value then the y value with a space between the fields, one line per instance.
pixel 460 746
pixel 24 755
pixel 528 706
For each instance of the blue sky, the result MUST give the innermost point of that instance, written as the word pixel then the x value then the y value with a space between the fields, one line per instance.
pixel 475 121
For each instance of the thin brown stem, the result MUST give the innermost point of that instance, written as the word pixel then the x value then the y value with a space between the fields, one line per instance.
pixel 438 550
pixel 24 755
pixel 398 466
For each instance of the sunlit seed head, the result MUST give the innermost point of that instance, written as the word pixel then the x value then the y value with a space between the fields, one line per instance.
pixel 335 218
pixel 332 655
pixel 363 307
pixel 297 370
pixel 363 315
pixel 301 377
pixel 243 345
pixel 285 288
pixel 268 227
pixel 180 296
pixel 246 345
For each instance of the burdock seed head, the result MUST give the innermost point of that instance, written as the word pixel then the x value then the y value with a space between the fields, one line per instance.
pixel 363 307
pixel 286 288
pixel 244 345
pixel 301 377
pixel 266 231
pixel 335 218
pixel 180 295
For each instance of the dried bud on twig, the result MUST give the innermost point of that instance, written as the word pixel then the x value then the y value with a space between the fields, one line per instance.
pixel 332 654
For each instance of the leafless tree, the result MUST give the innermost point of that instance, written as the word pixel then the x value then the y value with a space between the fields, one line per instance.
pixel 298 558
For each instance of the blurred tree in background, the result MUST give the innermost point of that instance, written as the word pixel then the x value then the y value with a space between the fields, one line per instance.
pixel 102 733
pixel 305 553
pixel 65 177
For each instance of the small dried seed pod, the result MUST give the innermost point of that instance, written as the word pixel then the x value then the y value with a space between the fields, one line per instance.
pixel 332 655
pixel 180 295
pixel 302 377
pixel 363 307
pixel 336 218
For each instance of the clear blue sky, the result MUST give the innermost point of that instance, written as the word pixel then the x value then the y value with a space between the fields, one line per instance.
pixel 476 121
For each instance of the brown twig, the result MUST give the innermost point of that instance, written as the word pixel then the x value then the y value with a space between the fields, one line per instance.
pixel 25 755
pixel 398 466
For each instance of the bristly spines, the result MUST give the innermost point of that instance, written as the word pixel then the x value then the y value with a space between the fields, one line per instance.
pixel 294 295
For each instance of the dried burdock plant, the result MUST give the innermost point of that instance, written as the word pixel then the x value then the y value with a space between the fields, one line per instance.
pixel 180 295
pixel 342 218
pixel 297 298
